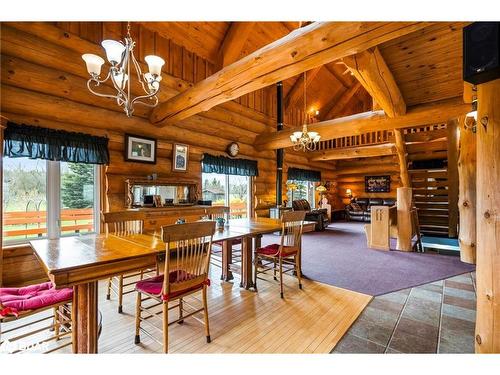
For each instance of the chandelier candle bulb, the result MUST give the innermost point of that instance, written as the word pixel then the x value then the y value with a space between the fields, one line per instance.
pixel 114 51
pixel 121 79
pixel 94 63
pixel 154 63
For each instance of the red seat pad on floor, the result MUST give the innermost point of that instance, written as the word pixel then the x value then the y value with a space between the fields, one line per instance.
pixel 154 285
pixel 273 249
pixel 34 296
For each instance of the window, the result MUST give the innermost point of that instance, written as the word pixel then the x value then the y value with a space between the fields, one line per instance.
pixel 228 190
pixel 301 190
pixel 48 199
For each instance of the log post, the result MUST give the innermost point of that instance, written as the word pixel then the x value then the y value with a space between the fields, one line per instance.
pixel 404 199
pixel 402 153
pixel 452 127
pixel 488 218
pixel 467 192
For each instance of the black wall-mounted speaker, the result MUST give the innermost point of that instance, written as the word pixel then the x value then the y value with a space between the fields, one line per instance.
pixel 481 52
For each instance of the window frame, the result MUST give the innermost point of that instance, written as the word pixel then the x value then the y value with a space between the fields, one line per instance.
pixel 227 192
pixel 310 187
pixel 53 199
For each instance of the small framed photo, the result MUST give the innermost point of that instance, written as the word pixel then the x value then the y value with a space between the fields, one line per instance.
pixel 180 158
pixel 140 149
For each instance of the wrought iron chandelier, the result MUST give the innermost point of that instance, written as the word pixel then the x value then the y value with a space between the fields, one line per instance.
pixel 305 140
pixel 121 57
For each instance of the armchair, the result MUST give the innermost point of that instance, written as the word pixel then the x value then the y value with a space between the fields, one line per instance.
pixel 320 216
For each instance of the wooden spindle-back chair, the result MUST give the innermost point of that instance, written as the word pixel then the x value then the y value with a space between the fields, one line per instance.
pixel 287 252
pixel 123 224
pixel 216 259
pixel 187 260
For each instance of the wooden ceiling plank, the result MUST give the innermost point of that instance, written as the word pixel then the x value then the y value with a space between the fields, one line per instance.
pixel 336 106
pixel 372 72
pixel 360 123
pixel 303 49
pixel 190 35
pixel 233 43
pixel 296 92
pixel 354 152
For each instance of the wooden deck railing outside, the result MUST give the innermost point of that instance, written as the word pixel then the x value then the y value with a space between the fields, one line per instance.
pixel 34 223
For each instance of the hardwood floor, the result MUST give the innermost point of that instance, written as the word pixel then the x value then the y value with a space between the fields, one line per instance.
pixel 312 320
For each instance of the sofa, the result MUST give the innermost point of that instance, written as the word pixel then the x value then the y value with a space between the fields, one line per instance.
pixel 319 216
pixel 360 208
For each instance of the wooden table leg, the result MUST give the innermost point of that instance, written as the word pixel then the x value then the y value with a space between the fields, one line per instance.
pixel 246 262
pixel 84 318
pixel 257 241
pixel 227 257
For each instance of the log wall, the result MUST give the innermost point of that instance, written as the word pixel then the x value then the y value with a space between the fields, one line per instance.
pixel 43 83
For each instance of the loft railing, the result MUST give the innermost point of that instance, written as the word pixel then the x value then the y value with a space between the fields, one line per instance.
pixel 372 138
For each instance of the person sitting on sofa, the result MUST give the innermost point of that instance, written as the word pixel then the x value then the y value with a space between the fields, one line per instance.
pixel 320 216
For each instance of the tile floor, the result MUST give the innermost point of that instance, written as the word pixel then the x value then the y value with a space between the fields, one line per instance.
pixel 433 318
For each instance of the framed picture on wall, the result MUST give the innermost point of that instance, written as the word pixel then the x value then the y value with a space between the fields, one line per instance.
pixel 377 184
pixel 180 158
pixel 140 149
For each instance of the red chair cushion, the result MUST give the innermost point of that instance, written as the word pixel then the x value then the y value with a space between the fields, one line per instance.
pixel 34 297
pixel 271 250
pixel 154 285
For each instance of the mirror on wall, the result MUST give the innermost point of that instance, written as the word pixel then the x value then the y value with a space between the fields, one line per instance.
pixel 170 194
pixel 159 193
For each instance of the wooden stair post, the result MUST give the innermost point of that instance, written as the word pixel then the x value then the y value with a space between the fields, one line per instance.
pixel 467 193
pixel 404 204
pixel 488 218
pixel 452 127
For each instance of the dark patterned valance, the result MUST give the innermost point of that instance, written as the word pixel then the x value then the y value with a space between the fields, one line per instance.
pixel 225 165
pixel 298 174
pixel 57 145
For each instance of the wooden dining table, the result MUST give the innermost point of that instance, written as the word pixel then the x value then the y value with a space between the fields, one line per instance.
pixel 80 262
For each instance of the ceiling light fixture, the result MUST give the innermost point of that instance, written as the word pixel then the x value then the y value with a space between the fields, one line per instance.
pixel 121 56
pixel 305 140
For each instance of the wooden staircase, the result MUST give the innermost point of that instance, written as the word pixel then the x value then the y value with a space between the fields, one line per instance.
pixel 430 194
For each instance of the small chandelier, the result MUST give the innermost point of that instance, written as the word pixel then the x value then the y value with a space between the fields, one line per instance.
pixel 121 57
pixel 305 140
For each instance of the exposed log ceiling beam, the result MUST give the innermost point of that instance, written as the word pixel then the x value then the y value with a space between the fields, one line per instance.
pixel 354 152
pixel 336 106
pixel 431 113
pixel 301 50
pixel 233 43
pixel 296 93
pixel 372 72
pixel 402 156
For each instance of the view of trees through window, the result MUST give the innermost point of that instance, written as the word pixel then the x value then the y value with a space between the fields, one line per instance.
pixel 227 190
pixel 304 190
pixel 77 198
pixel 25 198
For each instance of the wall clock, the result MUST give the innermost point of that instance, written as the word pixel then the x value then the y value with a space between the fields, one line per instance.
pixel 233 149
